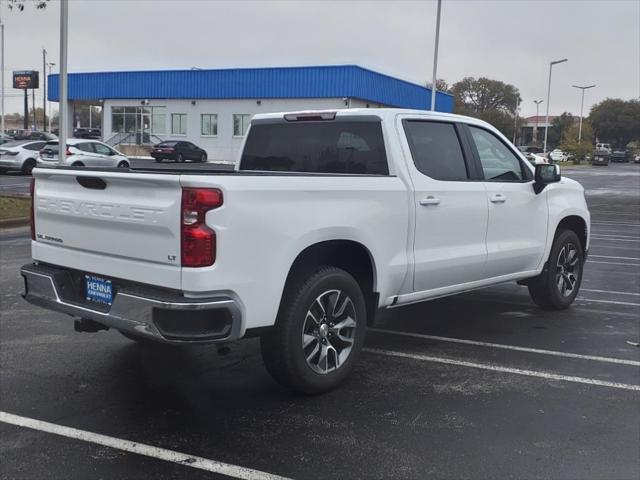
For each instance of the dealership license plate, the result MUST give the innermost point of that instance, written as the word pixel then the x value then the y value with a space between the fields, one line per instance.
pixel 99 290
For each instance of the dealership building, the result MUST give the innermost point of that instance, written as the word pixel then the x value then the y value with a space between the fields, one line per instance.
pixel 212 108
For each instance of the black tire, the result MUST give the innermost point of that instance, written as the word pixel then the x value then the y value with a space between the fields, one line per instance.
pixel 123 164
pixel 203 158
pixel 28 165
pixel 282 348
pixel 546 290
pixel 77 164
pixel 180 158
pixel 158 160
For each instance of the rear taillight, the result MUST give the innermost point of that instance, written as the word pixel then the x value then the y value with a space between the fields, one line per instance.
pixel 68 152
pixel 198 240
pixel 32 219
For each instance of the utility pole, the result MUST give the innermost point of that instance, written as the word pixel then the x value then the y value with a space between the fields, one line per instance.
pixel 44 89
pixel 2 94
pixel 33 105
pixel 581 109
pixel 62 80
pixel 546 123
pixel 434 88
pixel 2 68
pixel 535 134
pixel 25 123
pixel 50 64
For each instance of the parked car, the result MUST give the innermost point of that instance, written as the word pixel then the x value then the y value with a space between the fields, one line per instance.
pixel 330 216
pixel 603 147
pixel 82 153
pixel 85 132
pixel 620 156
pixel 4 138
pixel 19 155
pixel 178 151
pixel 530 149
pixel 600 157
pixel 636 159
pixel 557 155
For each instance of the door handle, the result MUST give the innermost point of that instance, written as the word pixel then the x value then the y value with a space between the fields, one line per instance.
pixel 430 200
pixel 498 198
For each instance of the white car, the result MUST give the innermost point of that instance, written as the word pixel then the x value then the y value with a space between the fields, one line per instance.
pixel 558 155
pixel 329 217
pixel 82 152
pixel 20 155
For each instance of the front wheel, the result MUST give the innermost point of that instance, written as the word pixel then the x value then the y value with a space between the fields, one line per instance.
pixel 203 158
pixel 557 287
pixel 123 164
pixel 180 158
pixel 319 332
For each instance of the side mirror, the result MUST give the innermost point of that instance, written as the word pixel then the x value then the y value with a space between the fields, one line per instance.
pixel 544 175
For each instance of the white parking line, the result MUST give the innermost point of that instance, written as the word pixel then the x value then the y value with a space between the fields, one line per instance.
pixel 615 235
pixel 607 291
pixel 192 461
pixel 616 263
pixel 616 223
pixel 603 239
pixel 508 347
pixel 612 302
pixel 619 258
pixel 497 368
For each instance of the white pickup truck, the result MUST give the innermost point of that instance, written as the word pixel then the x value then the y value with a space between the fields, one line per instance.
pixel 329 217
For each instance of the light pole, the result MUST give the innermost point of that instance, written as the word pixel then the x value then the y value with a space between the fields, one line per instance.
pixel 581 109
pixel 63 115
pixel 434 88
pixel 546 123
pixel 50 64
pixel 535 134
pixel 515 120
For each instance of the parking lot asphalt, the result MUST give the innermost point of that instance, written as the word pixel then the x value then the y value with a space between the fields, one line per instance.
pixel 482 385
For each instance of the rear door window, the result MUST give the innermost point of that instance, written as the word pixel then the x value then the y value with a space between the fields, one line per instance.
pixel 34 146
pixel 347 146
pixel 85 147
pixel 436 151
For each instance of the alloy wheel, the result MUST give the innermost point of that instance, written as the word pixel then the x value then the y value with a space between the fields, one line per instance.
pixel 567 269
pixel 328 333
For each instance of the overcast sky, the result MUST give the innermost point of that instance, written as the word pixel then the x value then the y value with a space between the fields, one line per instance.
pixel 508 40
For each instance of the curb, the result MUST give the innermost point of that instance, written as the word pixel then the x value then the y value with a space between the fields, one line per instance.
pixel 15 222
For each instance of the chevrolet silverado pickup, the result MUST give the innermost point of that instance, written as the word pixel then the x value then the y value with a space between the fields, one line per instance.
pixel 328 217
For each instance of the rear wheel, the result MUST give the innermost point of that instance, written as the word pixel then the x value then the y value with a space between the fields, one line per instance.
pixel 557 287
pixel 319 332
pixel 28 166
pixel 158 160
pixel 203 158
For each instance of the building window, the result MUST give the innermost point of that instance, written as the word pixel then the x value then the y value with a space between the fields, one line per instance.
pixel 209 124
pixel 240 124
pixel 138 119
pixel 179 123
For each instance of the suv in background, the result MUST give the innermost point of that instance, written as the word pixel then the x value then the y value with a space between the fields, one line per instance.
pixel 82 132
pixel 603 147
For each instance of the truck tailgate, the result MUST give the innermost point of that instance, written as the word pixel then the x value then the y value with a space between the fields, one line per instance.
pixel 118 224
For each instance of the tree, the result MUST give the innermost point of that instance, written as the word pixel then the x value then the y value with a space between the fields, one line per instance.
pixel 441 85
pixel 616 121
pixel 558 127
pixel 490 100
pixel 577 151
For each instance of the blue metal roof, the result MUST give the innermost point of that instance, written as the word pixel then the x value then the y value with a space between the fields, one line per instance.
pixel 283 82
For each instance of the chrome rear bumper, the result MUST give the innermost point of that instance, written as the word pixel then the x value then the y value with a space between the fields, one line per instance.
pixel 156 314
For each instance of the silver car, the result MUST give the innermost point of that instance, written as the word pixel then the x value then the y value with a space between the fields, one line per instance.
pixel 82 152
pixel 20 155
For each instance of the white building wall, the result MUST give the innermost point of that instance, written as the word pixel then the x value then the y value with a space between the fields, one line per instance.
pixel 224 146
